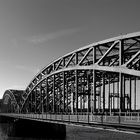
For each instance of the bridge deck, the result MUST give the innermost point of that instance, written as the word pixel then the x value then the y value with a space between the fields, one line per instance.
pixel 125 120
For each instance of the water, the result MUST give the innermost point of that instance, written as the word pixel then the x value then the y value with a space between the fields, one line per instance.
pixel 74 133
pixel 5 134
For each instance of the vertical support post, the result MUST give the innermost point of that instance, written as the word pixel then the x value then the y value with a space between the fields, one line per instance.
pixel 124 96
pixel 47 104
pixel 129 98
pixel 84 94
pixel 42 110
pixel 99 97
pixel 53 108
pixel 76 82
pixel 118 94
pixel 88 87
pixel 120 91
pixel 135 93
pixel 72 97
pixel 109 97
pixel 113 96
pixel 31 102
pixel 76 90
pixel 64 89
pixel 81 95
pixel 94 92
pixel 40 107
pixel 93 98
pixel 103 76
pixel 35 100
pixel 67 96
pixel 64 83
pixel 81 103
pixel 121 48
pixel 58 102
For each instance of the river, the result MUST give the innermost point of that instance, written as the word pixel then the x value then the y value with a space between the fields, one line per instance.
pixel 75 133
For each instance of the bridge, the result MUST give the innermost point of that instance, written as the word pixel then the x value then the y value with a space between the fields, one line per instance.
pixel 96 84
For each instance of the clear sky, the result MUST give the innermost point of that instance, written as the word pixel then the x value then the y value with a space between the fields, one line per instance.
pixel 35 32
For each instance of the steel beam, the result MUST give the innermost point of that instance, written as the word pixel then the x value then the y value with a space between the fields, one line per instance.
pixel 128 62
pixel 130 90
pixel 121 59
pixel 76 90
pixel 124 93
pixel 53 107
pixel 70 59
pixel 64 94
pixel 107 52
pixel 35 101
pixel 113 96
pixel 135 94
pixel 103 76
pixel 109 96
pixel 90 49
pixel 93 100
pixel 58 64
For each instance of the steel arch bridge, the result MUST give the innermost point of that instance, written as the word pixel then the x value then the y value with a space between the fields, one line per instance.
pixel 100 78
pixel 12 100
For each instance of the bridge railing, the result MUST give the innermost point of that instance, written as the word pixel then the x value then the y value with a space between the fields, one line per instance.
pixel 132 118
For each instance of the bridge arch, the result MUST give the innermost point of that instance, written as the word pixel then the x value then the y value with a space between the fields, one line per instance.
pixel 12 100
pixel 92 78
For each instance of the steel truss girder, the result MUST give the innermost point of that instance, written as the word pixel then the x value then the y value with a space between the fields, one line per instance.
pixel 13 100
pixel 75 62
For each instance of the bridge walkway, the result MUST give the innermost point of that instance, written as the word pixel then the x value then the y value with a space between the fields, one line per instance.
pixel 124 120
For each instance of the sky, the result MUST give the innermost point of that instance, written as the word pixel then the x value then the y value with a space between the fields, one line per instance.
pixel 34 33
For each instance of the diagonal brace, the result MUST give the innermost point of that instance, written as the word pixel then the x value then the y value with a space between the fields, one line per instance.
pixel 100 50
pixel 135 62
pixel 113 61
pixel 130 46
pixel 85 56
pixel 70 60
pixel 107 52
pixel 59 64
pixel 128 62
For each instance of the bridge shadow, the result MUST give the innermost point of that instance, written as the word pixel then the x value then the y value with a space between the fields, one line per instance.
pixel 21 128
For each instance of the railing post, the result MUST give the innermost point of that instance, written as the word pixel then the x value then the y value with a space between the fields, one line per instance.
pixel 61 117
pixel 77 117
pixel 101 118
pixel 88 117
pixel 46 115
pixel 55 116
pixel 69 117
pixel 119 118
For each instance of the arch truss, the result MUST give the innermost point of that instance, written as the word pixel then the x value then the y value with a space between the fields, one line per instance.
pixel 99 78
pixel 12 101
